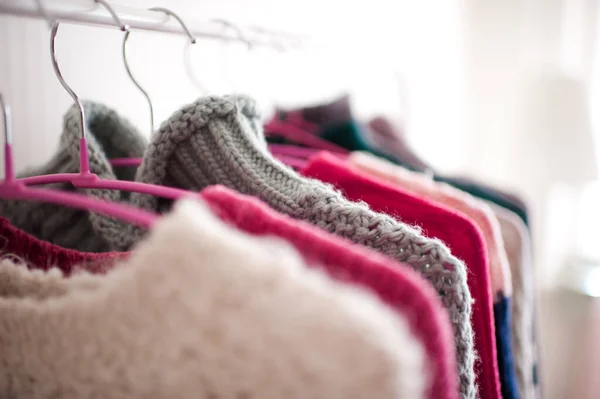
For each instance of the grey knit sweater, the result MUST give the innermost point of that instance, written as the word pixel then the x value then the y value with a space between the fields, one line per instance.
pixel 219 140
pixel 109 136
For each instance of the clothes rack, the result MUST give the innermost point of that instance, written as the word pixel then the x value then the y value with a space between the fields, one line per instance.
pixel 87 12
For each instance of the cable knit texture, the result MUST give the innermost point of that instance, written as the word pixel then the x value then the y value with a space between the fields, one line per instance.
pixel 196 312
pixel 516 239
pixel 109 136
pixel 219 140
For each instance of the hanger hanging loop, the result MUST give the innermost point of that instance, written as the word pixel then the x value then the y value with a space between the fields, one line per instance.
pixel 62 81
pixel 114 15
pixel 183 25
pixel 239 33
pixel 186 53
pixel 6 121
pixel 9 174
pixel 241 37
pixel 42 10
pixel 135 81
pixel 83 153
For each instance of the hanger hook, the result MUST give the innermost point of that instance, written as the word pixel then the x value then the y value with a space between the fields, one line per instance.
pixel 183 25
pixel 9 173
pixel 240 34
pixel 241 37
pixel 114 15
pixel 62 81
pixel 135 81
pixel 42 10
pixel 186 54
pixel 58 73
pixel 6 121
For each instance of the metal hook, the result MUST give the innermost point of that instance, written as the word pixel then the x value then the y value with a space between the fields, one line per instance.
pixel 135 81
pixel 114 15
pixel 9 174
pixel 6 121
pixel 62 81
pixel 44 12
pixel 183 25
pixel 241 37
pixel 238 31
pixel 58 73
pixel 186 53
pixel 276 44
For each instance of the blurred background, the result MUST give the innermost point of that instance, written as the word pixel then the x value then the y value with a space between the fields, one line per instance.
pixel 504 91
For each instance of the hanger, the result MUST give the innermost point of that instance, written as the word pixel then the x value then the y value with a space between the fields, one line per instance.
pixel 240 36
pixel 294 133
pixel 86 179
pixel 124 162
pixel 15 189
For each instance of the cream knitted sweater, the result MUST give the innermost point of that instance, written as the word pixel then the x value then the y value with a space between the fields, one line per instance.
pixel 200 310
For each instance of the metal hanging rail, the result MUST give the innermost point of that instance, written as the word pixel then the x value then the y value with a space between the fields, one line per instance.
pixel 88 12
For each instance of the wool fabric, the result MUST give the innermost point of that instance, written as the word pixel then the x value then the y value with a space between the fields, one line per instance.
pixel 108 136
pixel 518 248
pixel 197 311
pixel 334 120
pixel 486 220
pixel 219 140
pixel 462 202
pixel 506 362
pixel 379 136
pixel 387 137
pixel 459 233
pixel 401 288
pixel 25 248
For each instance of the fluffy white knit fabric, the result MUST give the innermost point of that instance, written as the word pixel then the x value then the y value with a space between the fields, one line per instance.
pixel 201 310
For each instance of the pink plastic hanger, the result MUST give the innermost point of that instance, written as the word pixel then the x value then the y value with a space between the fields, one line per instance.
pixel 15 189
pixel 86 179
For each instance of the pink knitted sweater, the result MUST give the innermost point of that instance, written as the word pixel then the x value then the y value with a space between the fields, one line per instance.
pixel 462 202
pixel 399 287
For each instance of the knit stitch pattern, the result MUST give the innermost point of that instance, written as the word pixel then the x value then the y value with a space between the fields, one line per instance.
pixel 401 288
pixel 479 211
pixel 109 136
pixel 197 311
pixel 218 140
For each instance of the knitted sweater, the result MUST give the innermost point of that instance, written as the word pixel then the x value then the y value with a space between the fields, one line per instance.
pixel 484 217
pixel 109 136
pixel 399 287
pixel 219 141
pixel 516 239
pixel 462 202
pixel 198 311
pixel 459 233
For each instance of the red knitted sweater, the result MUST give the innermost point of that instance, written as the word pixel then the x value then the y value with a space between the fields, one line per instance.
pixel 460 234
pixel 396 285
